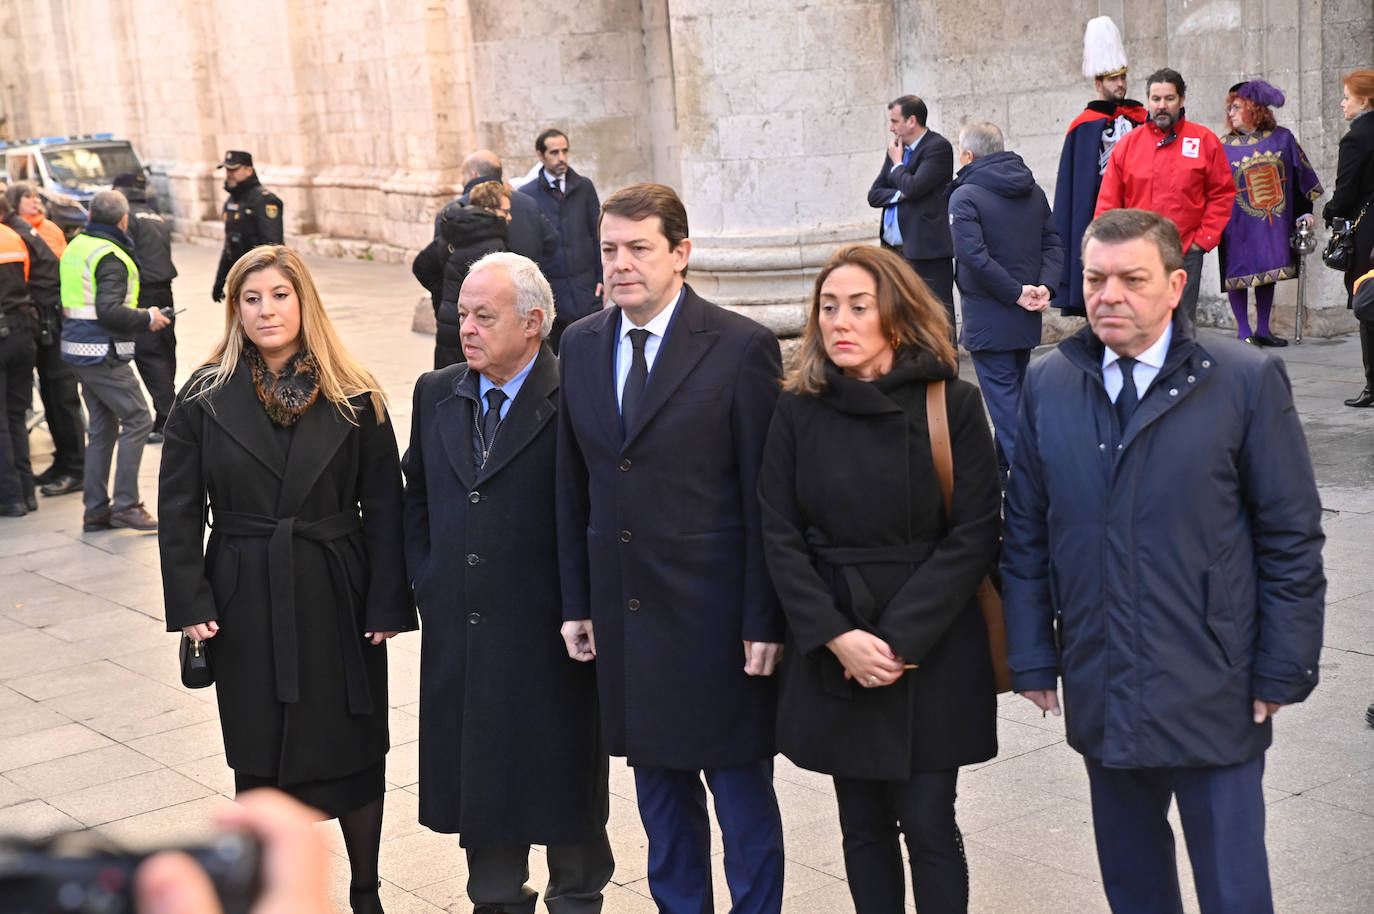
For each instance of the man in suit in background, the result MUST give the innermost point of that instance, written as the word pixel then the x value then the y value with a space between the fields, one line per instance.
pixel 664 406
pixel 569 201
pixel 910 190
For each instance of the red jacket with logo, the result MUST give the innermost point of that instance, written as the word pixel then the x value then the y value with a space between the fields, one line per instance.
pixel 1183 175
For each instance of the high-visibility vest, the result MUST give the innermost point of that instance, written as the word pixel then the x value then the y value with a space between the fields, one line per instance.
pixel 84 340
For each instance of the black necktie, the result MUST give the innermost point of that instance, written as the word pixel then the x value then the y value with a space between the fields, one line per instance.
pixel 491 421
pixel 635 380
pixel 557 188
pixel 1128 398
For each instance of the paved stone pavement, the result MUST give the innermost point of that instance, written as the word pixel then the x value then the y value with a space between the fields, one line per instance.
pixel 95 730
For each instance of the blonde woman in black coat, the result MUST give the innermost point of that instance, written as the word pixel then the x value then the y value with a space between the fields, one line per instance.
pixel 1354 191
pixel 886 681
pixel 283 439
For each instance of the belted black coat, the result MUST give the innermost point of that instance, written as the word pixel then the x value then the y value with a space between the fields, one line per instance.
pixel 856 536
pixel 304 556
pixel 510 748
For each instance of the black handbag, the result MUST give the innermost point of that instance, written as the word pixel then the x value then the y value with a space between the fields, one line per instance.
pixel 1340 247
pixel 196 672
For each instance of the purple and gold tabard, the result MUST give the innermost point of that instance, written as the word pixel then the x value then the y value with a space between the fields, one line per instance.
pixel 1275 184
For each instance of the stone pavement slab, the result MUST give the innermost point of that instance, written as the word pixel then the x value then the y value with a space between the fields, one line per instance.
pixel 96 731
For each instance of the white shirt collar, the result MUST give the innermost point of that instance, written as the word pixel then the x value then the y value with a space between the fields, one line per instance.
pixel 659 325
pixel 1152 357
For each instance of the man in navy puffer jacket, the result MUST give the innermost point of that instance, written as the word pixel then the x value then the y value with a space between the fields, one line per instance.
pixel 1007 261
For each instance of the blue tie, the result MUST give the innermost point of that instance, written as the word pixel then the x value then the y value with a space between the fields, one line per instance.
pixel 890 227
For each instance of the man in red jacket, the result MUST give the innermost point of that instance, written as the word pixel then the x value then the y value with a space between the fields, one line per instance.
pixel 1175 168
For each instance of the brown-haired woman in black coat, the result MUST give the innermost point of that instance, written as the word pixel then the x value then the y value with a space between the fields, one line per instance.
pixel 1353 192
pixel 886 682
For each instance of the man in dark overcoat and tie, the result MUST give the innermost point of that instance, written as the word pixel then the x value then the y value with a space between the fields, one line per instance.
pixel 663 410
pixel 510 747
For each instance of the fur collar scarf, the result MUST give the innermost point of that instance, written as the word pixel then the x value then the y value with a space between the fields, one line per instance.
pixel 285 396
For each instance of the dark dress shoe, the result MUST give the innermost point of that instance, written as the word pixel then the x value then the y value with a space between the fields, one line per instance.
pixel 157 437
pixel 1252 340
pixel 16 509
pixel 1366 398
pixel 62 485
pixel 133 518
pixel 48 475
pixel 1277 342
pixel 96 520
pixel 30 502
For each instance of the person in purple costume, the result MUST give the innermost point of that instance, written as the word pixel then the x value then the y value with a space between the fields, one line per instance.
pixel 1275 188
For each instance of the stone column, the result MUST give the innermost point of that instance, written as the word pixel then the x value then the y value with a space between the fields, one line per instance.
pixel 781 120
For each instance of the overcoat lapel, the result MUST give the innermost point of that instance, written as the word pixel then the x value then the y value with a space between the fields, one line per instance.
pixel 453 414
pixel 685 345
pixel 600 378
pixel 319 433
pixel 531 411
pixel 240 414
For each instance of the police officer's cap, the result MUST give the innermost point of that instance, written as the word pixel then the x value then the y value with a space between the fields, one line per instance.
pixel 131 179
pixel 235 158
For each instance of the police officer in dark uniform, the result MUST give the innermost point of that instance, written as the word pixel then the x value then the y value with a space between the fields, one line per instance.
pixel 155 352
pixel 252 214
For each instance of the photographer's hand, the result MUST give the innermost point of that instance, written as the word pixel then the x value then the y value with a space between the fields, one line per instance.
pixel 293 863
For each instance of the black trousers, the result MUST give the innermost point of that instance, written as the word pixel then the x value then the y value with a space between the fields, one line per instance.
pixel 57 388
pixel 922 809
pixel 155 353
pixel 1367 351
pixel 1187 303
pixel 497 874
pixel 16 385
pixel 938 274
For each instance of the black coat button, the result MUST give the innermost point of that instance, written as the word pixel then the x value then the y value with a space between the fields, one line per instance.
pixel 633 605
pixel 625 465
pixel 474 497
pixel 626 536
pixel 474 618
pixel 473 558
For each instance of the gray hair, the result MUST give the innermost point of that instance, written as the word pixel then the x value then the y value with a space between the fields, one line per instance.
pixel 108 207
pixel 532 290
pixel 981 138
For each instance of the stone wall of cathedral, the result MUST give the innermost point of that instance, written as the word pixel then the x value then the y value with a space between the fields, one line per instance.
pixel 767 115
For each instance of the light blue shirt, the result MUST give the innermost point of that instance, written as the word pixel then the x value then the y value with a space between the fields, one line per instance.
pixel 892 231
pixel 1147 366
pixel 511 388
pixel 625 351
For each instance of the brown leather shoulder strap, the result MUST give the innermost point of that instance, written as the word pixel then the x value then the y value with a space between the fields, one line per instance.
pixel 937 421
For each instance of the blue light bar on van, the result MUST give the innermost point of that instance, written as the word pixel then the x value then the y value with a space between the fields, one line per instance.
pixel 50 140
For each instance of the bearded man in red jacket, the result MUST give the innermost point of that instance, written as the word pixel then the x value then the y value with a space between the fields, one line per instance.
pixel 1178 169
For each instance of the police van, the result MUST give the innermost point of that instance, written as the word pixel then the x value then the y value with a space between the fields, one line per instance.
pixel 68 171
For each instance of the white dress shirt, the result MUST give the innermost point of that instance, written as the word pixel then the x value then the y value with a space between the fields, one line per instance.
pixel 624 352
pixel 1147 366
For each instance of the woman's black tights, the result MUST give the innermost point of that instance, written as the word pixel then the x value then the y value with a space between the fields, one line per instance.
pixel 922 809
pixel 362 834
